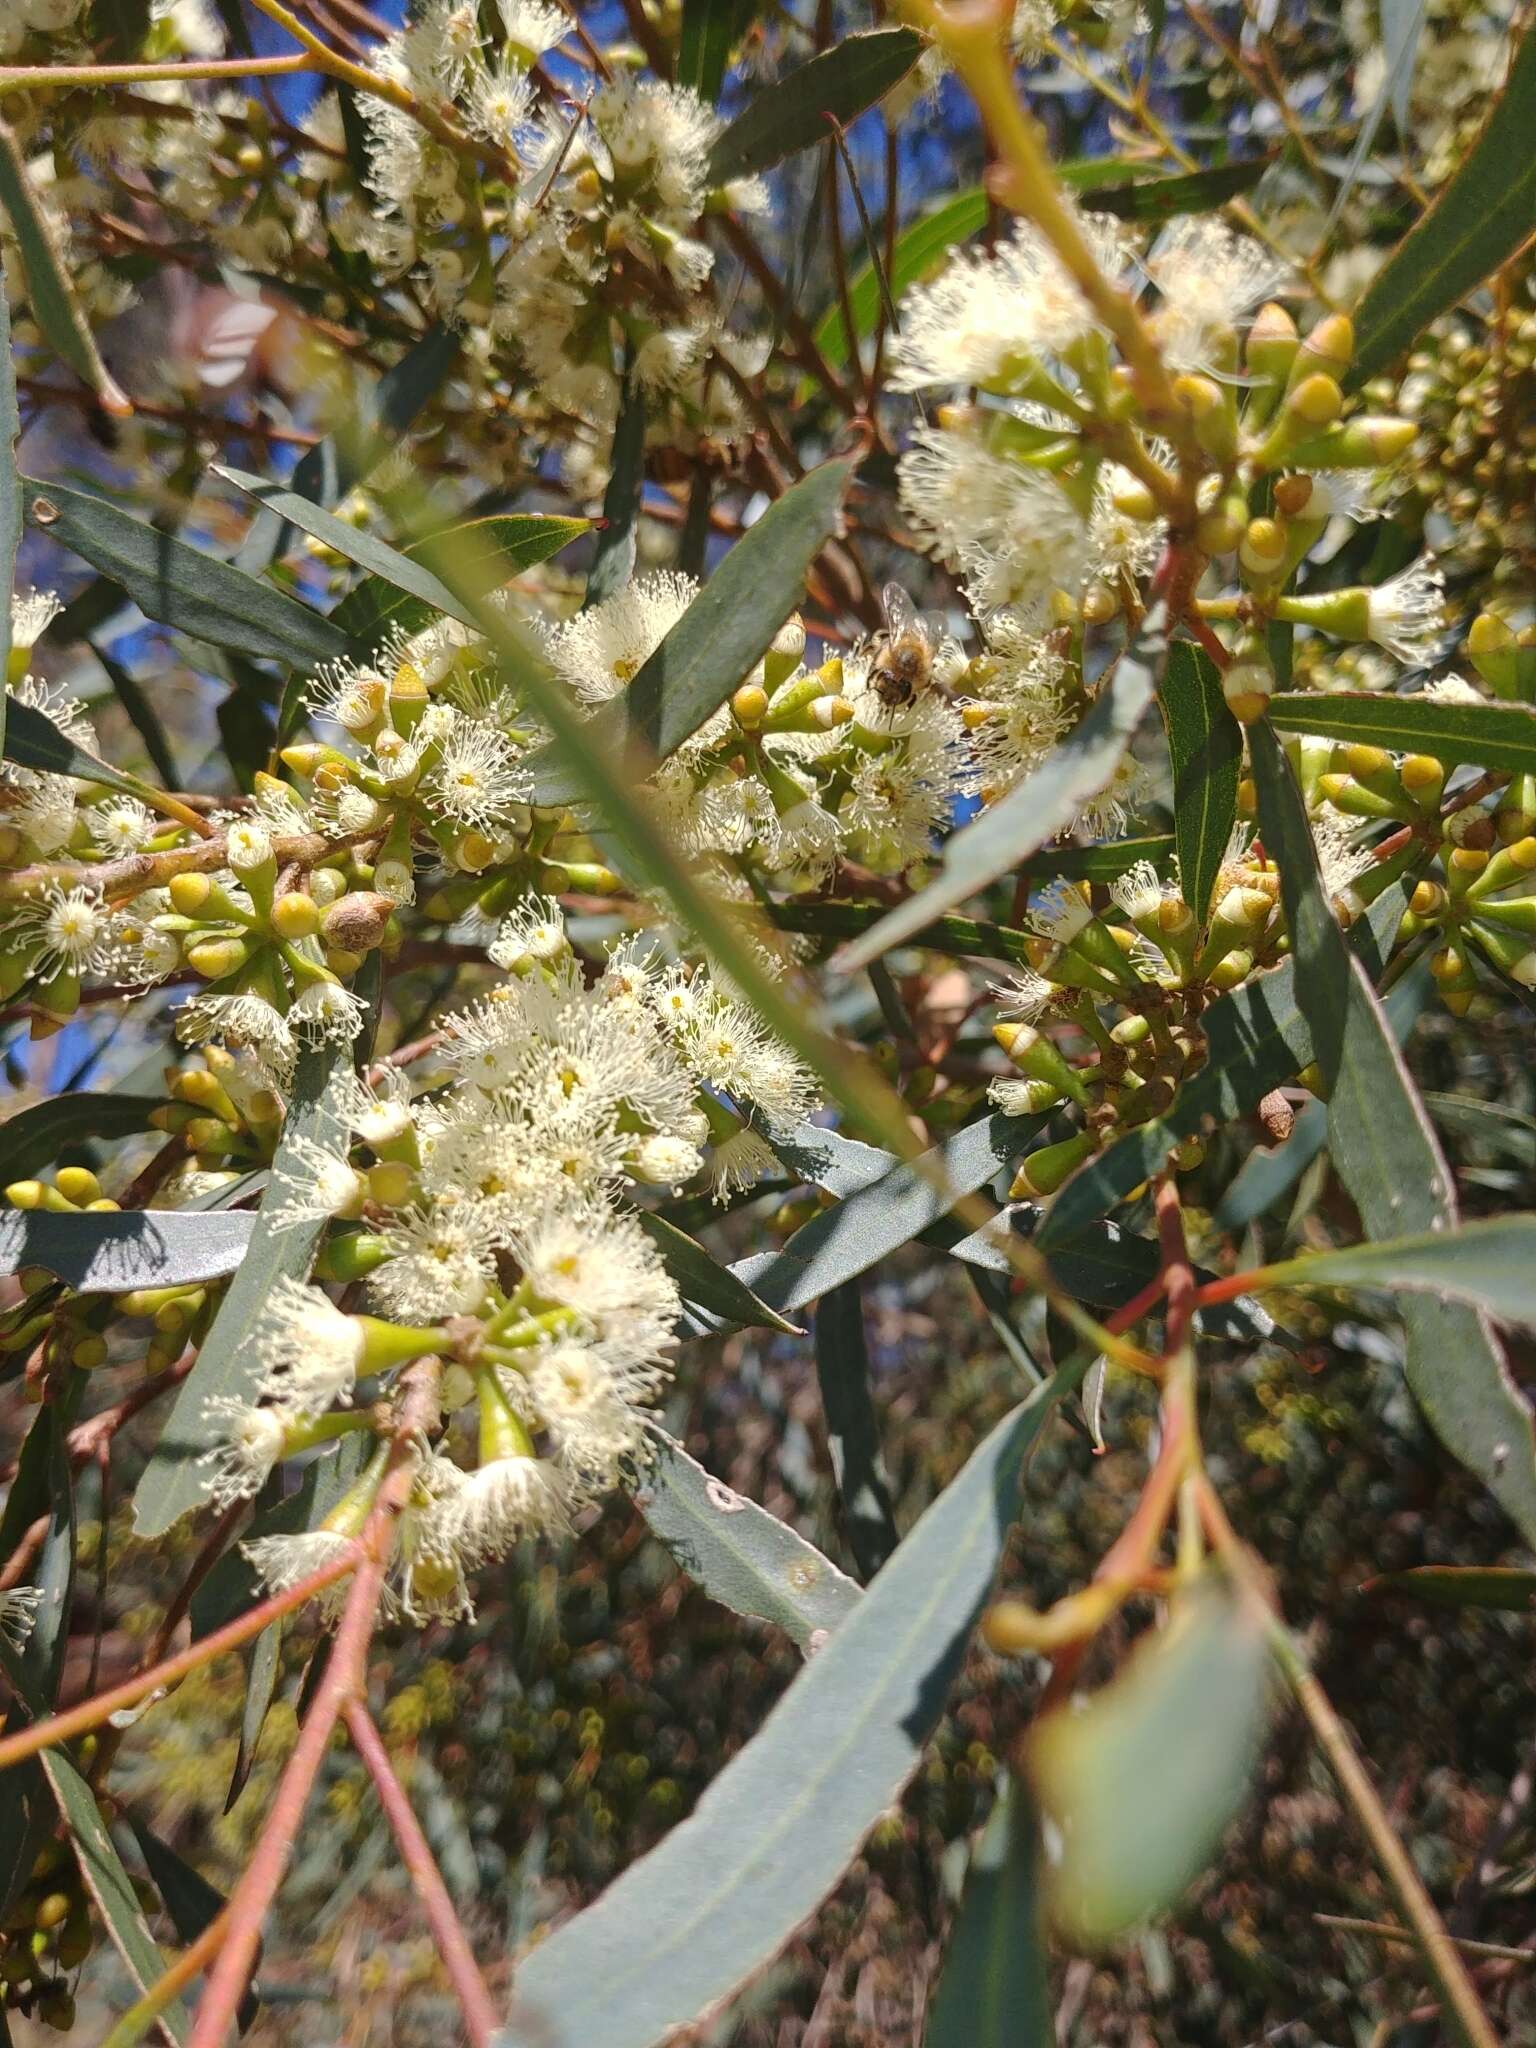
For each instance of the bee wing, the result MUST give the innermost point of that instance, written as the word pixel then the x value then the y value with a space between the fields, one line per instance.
pixel 900 613
pixel 934 630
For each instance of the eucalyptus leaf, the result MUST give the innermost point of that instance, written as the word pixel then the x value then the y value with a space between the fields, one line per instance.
pixel 791 114
pixel 994 1988
pixel 190 1901
pixel 1385 1151
pixel 719 639
pixel 489 552
pixel 1490 1264
pixel 613 560
pixel 1044 803
pixel 741 1555
pixel 174 1481
pixel 10 499
pixel 179 585
pixel 110 1251
pixel 1139 1785
pixel 710 30
pixel 1480 735
pixel 704 1283
pixel 1206 744
pixel 1478 219
pixel 853 1429
pixel 1505 1588
pixel 686 1924
pixel 34 1137
pixel 32 740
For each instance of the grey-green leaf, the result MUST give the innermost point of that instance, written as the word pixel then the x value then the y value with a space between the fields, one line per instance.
pixel 1478 220
pixel 853 1430
pixel 174 1483
pixel 791 114
pixel 1141 1783
pixel 1489 1264
pixel 994 1991
pixel 613 559
pixel 1206 746
pixel 49 290
pixel 774 1831
pixel 710 30
pixel 32 740
pixel 1480 735
pixel 1385 1151
pixel 488 552
pixel 704 1283
pixel 109 1884
pixel 720 638
pixel 179 585
pixel 110 1251
pixel 1504 1588
pixel 1043 804
pixel 36 1136
pixel 741 1555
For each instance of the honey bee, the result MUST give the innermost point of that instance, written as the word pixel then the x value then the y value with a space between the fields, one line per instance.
pixel 906 651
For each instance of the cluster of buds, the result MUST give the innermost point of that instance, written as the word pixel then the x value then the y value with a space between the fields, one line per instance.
pixel 46 1936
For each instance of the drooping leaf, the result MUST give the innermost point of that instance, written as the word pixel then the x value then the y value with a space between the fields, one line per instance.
pixel 994 1990
pixel 1490 1263
pixel 1140 1784
pixel 697 1916
pixel 1385 1151
pixel 1206 744
pixel 853 1430
pixel 721 636
pixel 191 1902
pixel 613 561
pixel 110 1251
pixel 1158 199
pixel 174 1483
pixel 741 1555
pixel 179 585
pixel 50 292
pixel 1043 804
pixel 1502 1587
pixel 1256 1038
pixel 711 29
pixel 1483 735
pixel 32 740
pixel 384 413
pixel 10 499
pixel 791 114
pixel 704 1283
pixel 1477 221
pixel 142 716
pixel 489 551
pixel 110 1885
pixel 878 1219
pixel 36 1136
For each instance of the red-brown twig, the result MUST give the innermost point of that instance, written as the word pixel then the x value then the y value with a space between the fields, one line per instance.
pixel 458 1960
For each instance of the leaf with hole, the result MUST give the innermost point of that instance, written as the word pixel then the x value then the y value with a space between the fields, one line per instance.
pixel 774 1831
pixel 1046 802
pixel 738 1553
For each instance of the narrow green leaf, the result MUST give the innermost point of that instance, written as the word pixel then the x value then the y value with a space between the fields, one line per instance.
pixel 1502 1587
pixel 1478 220
pixel 179 585
pixel 190 1901
pixel 110 1251
pixel 719 639
pixel 791 113
pixel 916 252
pixel 32 740
pixel 711 29
pixel 1206 745
pixel 878 1219
pixel 1158 199
pixel 365 549
pixel 1490 1263
pixel 705 1284
pixel 36 1136
pixel 1143 1781
pixel 109 1884
pixel 50 293
pixel 1043 804
pixel 383 414
pixel 613 561
pixel 174 1483
pixel 10 499
pixel 1385 1151
pixel 1480 735
pixel 775 1830
pixel 741 1555
pixel 489 551
pixel 965 937
pixel 142 716
pixel 1256 1037
pixel 1100 863
pixel 994 1991
pixel 853 1430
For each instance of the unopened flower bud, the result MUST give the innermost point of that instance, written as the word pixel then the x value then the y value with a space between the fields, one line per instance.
pixel 295 915
pixel 189 893
pixel 1263 547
